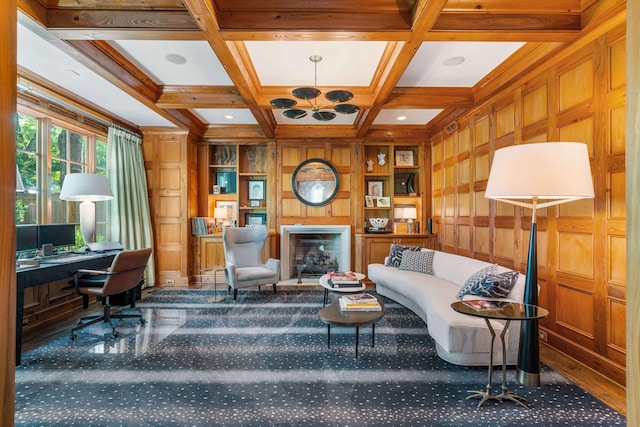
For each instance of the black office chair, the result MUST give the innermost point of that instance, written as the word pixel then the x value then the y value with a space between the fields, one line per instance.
pixel 124 275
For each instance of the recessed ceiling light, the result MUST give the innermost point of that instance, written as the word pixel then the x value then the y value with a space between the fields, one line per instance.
pixel 228 117
pixel 401 118
pixel 73 72
pixel 453 61
pixel 174 58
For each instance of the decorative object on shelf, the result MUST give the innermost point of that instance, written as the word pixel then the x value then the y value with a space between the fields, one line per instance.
pixel 381 159
pixel 226 181
pixel 315 182
pixel 404 158
pixel 216 189
pixel 311 93
pixel 231 206
pixel 557 172
pixel 368 201
pixel 375 188
pixel 378 223
pixel 253 219
pixel 254 203
pixel 220 214
pixel 369 165
pixel 383 202
pixel 410 214
pixel 225 155
pixel 253 157
pixel 86 188
pixel 256 189
pixel 404 183
pixel 430 226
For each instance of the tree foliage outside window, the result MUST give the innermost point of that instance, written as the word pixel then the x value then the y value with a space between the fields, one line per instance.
pixel 27 158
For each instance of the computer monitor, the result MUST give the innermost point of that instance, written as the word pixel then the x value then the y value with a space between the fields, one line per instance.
pixel 57 235
pixel 26 237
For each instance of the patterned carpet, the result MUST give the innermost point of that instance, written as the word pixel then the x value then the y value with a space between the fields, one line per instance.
pixel 265 362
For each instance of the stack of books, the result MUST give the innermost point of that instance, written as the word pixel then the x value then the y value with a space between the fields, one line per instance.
pixel 343 280
pixel 359 302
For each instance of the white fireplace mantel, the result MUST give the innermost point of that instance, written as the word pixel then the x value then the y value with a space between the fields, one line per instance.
pixel 343 233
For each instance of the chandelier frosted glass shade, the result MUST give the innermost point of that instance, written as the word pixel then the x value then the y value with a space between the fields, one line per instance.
pixel 310 94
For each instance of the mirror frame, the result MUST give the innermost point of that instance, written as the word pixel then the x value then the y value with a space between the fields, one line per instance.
pixel 295 181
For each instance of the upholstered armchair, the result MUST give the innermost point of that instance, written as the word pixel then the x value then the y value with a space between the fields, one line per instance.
pixel 243 248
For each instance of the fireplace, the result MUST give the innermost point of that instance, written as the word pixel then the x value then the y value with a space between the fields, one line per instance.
pixel 309 251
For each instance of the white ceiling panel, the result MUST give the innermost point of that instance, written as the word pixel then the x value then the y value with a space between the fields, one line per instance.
pixel 228 116
pixel 428 69
pixel 158 59
pixel 411 117
pixel 50 63
pixel 343 64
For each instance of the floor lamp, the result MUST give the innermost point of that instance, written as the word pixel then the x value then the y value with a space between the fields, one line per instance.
pixel 86 188
pixel 537 176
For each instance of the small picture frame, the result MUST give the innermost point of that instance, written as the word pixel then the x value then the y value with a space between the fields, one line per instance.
pixel 383 202
pixel 254 203
pixel 375 188
pixel 216 189
pixel 256 189
pixel 368 201
pixel 404 158
pixel 255 219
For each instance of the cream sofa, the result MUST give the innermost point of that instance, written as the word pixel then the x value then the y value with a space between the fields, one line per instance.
pixel 460 339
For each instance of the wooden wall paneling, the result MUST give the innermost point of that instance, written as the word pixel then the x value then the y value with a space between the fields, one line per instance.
pixel 169 167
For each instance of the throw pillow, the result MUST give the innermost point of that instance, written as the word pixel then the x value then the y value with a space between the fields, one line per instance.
pixel 496 285
pixel 475 280
pixel 422 262
pixel 395 254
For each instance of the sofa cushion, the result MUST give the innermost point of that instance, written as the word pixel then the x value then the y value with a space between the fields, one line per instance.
pixel 493 285
pixel 473 282
pixel 395 254
pixel 422 262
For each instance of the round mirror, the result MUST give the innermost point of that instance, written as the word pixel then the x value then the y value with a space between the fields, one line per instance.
pixel 315 182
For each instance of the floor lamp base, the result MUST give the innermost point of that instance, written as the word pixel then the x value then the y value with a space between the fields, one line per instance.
pixel 529 379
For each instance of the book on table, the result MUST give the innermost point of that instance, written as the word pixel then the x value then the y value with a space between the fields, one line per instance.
pixel 484 305
pixel 359 306
pixel 346 279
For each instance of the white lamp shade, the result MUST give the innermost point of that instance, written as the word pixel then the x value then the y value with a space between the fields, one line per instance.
pixel 220 213
pixel 557 171
pixel 410 213
pixel 78 187
pixel 19 183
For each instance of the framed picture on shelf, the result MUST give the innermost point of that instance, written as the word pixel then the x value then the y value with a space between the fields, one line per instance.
pixel 257 189
pixel 232 209
pixel 383 202
pixel 255 218
pixel 375 188
pixel 404 158
pixel 254 203
pixel 368 201
pixel 226 181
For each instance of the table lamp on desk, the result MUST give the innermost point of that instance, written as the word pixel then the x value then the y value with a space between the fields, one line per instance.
pixel 86 188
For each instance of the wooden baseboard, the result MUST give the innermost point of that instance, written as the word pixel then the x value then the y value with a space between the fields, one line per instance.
pixel 596 384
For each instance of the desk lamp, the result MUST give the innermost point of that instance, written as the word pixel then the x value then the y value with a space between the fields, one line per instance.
pixel 86 188
pixel 410 214
pixel 523 175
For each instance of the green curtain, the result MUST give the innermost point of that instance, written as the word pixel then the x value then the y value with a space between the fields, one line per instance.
pixel 129 216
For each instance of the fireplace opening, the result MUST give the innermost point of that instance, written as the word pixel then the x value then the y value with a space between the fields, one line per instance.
pixel 308 251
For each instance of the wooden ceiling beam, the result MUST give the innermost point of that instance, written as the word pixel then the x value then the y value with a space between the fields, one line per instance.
pixel 507 22
pixel 120 19
pixel 200 97
pixel 116 4
pixel 430 97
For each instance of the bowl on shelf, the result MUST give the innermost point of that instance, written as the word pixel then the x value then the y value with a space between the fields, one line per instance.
pixel 378 222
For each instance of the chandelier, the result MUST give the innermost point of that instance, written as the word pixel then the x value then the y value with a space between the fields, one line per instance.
pixel 310 94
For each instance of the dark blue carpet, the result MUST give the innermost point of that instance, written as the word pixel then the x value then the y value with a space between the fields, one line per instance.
pixel 265 362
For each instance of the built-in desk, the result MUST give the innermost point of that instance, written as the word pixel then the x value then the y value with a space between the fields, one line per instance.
pixel 50 272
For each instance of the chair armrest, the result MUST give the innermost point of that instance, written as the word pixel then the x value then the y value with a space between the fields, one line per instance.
pixel 83 271
pixel 274 265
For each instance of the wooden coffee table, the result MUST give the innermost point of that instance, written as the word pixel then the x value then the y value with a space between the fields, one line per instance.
pixel 332 315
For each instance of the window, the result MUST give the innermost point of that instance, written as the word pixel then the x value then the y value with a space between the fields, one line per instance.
pixel 46 151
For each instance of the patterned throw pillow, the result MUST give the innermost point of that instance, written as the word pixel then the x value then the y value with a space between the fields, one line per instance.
pixel 476 278
pixel 395 254
pixel 422 262
pixel 496 285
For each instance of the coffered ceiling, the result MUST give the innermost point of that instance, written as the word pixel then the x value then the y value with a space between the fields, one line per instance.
pixel 213 66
